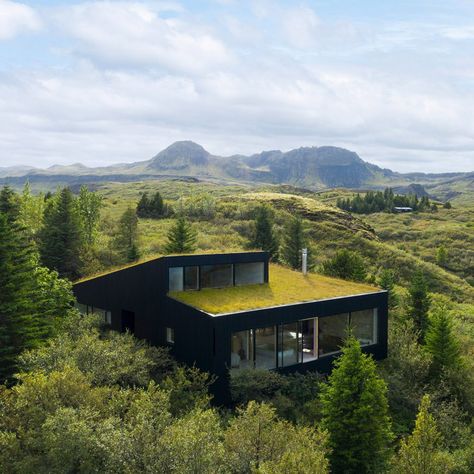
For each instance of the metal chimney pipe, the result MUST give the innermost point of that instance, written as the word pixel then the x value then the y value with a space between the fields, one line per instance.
pixel 304 261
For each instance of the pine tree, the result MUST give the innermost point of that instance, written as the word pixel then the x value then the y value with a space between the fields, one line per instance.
pixel 126 240
pixel 293 242
pixel 387 282
pixel 144 206
pixel 441 343
pixel 32 298
pixel 181 237
pixel 61 236
pixel 16 324
pixel 157 205
pixel 420 452
pixel 419 303
pixel 355 413
pixel 9 203
pixel 264 237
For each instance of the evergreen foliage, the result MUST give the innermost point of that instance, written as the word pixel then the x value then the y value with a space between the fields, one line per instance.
pixel 420 452
pixel 347 265
pixel 383 201
pixel 419 303
pixel 153 207
pixel 181 237
pixel 126 239
pixel 355 413
pixel 61 237
pixel 294 241
pixel 441 343
pixel 264 235
pixel 387 282
pixel 32 298
pixel 9 203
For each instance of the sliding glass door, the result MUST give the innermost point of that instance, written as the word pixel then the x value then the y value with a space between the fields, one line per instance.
pixel 301 341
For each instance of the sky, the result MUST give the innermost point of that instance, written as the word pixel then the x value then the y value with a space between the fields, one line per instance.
pixel 103 82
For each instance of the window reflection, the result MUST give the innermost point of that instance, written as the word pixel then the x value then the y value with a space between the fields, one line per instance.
pixel 249 273
pixel 289 337
pixel 331 333
pixel 364 326
pixel 216 276
pixel 265 347
pixel 191 278
pixel 241 356
pixel 175 277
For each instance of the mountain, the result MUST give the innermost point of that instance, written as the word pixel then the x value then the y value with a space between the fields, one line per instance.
pixel 179 156
pixel 313 168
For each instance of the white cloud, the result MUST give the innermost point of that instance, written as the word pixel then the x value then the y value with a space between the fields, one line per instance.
pixel 16 18
pixel 133 34
pixel 141 75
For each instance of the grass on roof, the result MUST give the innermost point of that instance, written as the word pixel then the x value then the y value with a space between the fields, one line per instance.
pixel 285 287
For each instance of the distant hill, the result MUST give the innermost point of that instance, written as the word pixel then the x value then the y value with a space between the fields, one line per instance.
pixel 313 168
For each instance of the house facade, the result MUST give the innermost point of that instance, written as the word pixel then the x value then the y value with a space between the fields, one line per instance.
pixel 224 312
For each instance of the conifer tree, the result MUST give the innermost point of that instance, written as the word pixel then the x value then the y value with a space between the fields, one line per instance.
pixel 181 237
pixel 126 240
pixel 293 242
pixel 9 203
pixel 387 282
pixel 355 413
pixel 61 236
pixel 441 343
pixel 16 324
pixel 264 237
pixel 31 297
pixel 420 452
pixel 157 205
pixel 419 303
pixel 144 206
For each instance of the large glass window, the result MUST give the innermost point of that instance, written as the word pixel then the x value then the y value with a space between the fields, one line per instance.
pixel 175 276
pixel 331 333
pixel 364 326
pixel 288 345
pixel 241 356
pixel 249 273
pixel 216 276
pixel 309 331
pixel 191 278
pixel 265 348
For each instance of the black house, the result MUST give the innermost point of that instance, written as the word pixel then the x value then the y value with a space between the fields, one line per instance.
pixel 228 311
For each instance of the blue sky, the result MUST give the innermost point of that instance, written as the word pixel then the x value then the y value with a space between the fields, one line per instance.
pixel 101 82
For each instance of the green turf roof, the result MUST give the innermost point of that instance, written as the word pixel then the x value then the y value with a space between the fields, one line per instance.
pixel 285 287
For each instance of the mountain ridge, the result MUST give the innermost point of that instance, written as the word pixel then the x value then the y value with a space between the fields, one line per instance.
pixel 313 167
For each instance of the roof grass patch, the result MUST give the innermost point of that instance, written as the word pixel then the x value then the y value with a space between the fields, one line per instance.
pixel 285 287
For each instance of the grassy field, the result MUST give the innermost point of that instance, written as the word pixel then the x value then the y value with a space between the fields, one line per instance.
pixel 284 287
pixel 401 242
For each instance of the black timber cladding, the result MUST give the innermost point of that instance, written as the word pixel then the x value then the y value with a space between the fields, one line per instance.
pixel 203 339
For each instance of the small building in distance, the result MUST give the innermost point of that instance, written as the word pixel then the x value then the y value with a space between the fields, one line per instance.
pixel 228 311
pixel 403 209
